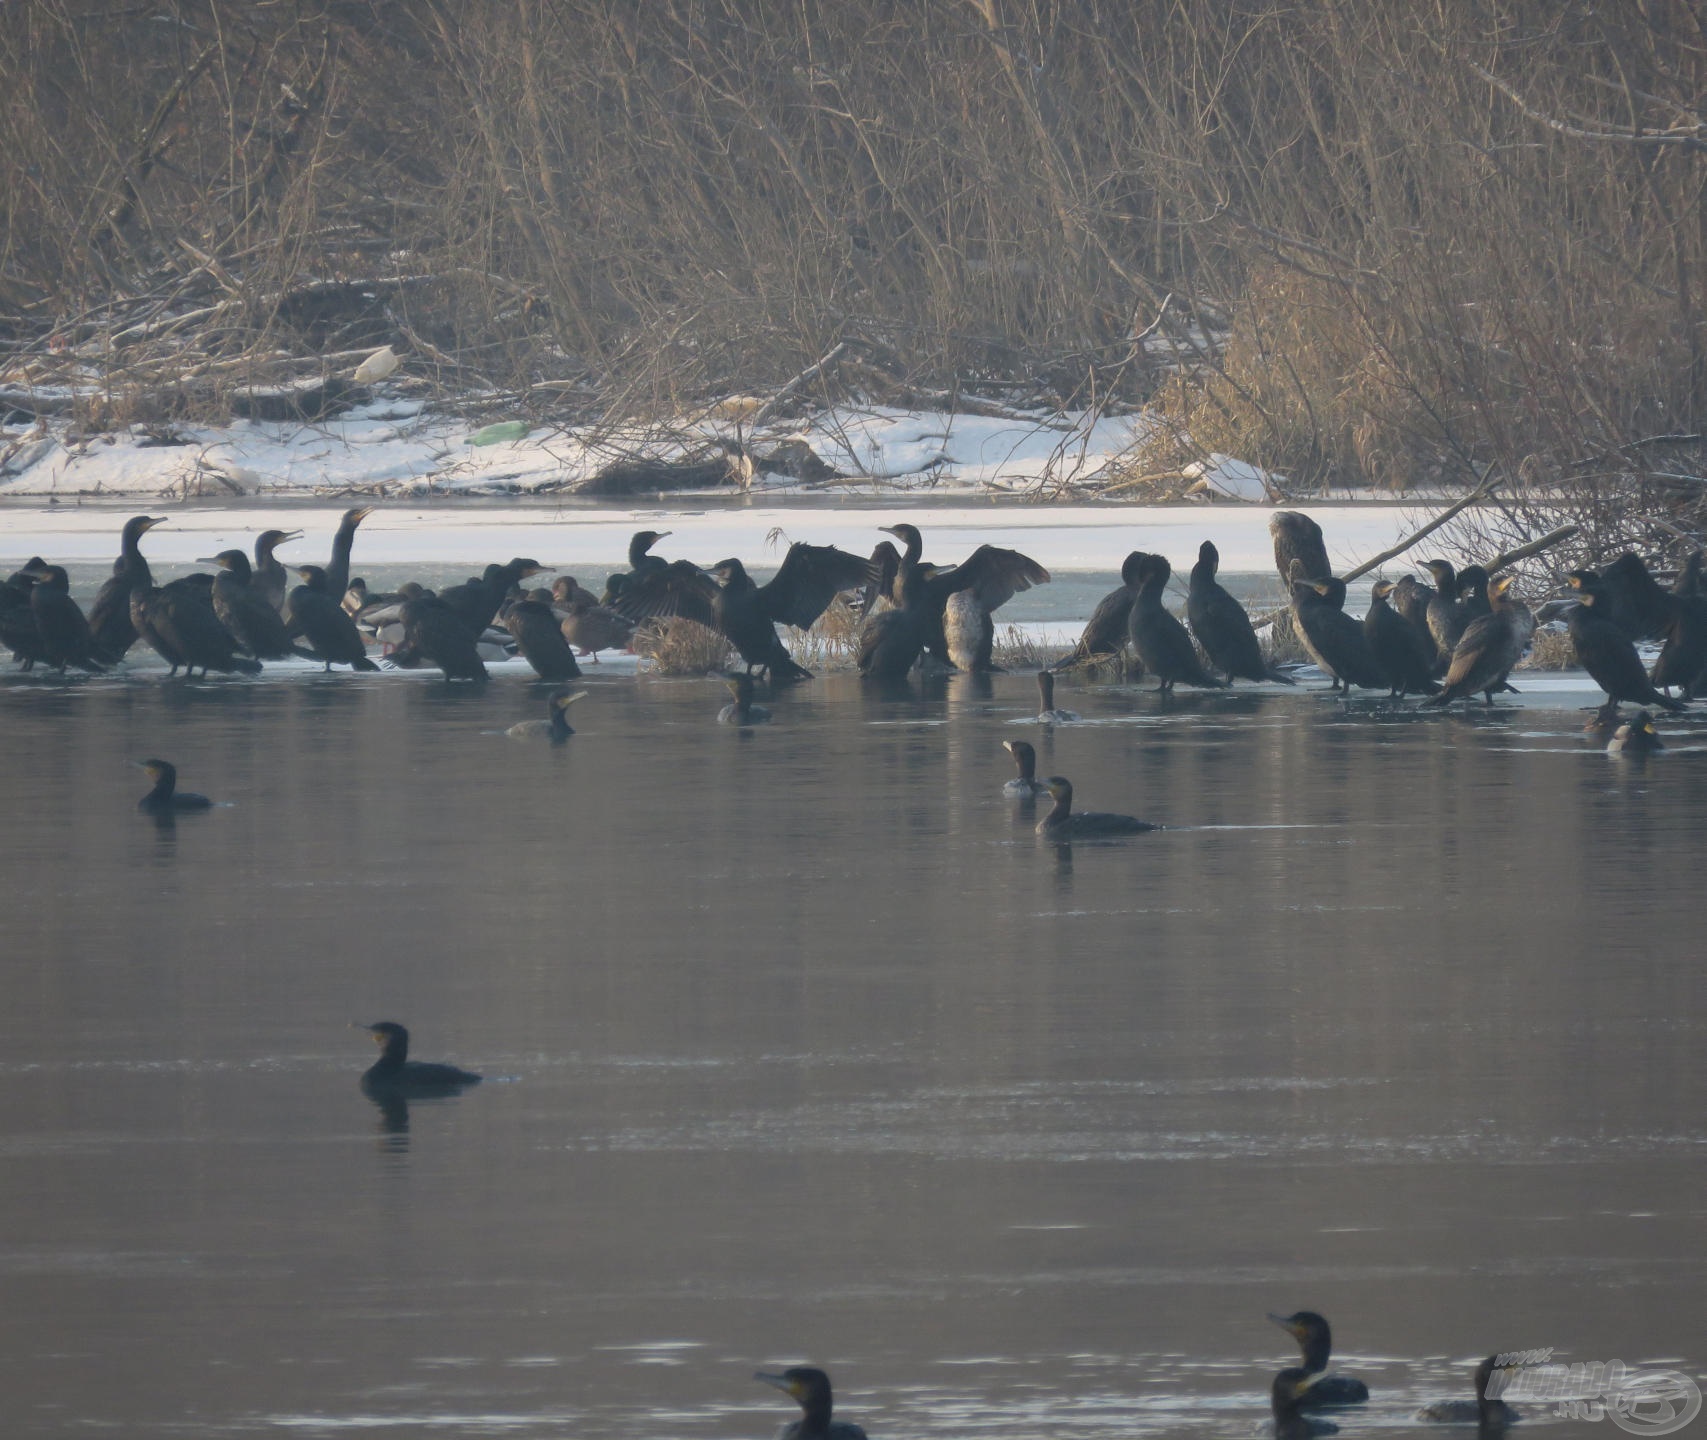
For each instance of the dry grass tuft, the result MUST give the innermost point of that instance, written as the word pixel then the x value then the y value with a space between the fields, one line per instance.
pixel 682 647
pixel 1550 650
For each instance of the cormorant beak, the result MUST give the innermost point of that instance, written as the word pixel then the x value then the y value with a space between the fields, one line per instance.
pixel 894 530
pixel 1295 1331
pixel 779 1382
pixel 288 537
pixel 210 560
pixel 152 521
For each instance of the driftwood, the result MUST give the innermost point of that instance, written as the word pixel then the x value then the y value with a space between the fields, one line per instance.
pixel 1484 489
pixel 1534 547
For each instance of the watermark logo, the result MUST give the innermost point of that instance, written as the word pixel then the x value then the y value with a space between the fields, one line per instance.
pixel 1643 1402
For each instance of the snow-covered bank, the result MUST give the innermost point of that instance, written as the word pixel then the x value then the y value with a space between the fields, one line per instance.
pixel 1061 537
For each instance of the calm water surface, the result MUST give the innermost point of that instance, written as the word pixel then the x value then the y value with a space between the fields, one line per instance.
pixel 800 1048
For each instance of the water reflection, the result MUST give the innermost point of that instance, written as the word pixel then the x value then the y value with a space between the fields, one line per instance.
pixel 825 1055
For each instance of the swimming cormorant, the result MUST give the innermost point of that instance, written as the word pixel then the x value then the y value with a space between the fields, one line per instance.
pixel 556 723
pixel 745 613
pixel 1025 785
pixel 1047 714
pixel 109 616
pixel 271 579
pixel 740 710
pixel 1335 641
pixel 1105 635
pixel 1159 639
pixel 1064 823
pixel 1287 1397
pixel 1298 538
pixel 539 636
pixel 1221 625
pixel 394 1073
pixel 1489 1412
pixel 65 637
pixel 1489 647
pixel 312 614
pixel 810 1389
pixel 1315 1341
pixel 166 798
pixel 1636 736
pixel 1406 658
pixel 1605 651
pixel 244 611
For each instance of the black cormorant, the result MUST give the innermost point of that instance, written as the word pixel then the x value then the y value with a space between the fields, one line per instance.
pixel 1221 625
pixel 394 1073
pixel 1636 736
pixel 1315 1341
pixel 1298 538
pixel 109 616
pixel 1446 617
pixel 338 567
pixel 1287 1397
pixel 178 621
pixel 556 724
pixel 18 632
pixel 1047 714
pixel 1335 641
pixel 434 634
pixel 1489 1412
pixel 1025 785
pixel 1064 823
pixel 476 602
pixel 740 710
pixel 244 611
pixel 810 1389
pixel 745 613
pixel 641 564
pixel 539 636
pixel 1404 656
pixel 1490 645
pixel 166 798
pixel 1605 651
pixel 65 637
pixel 312 614
pixel 1683 658
pixel 271 578
pixel 1410 598
pixel 1105 635
pixel 1159 639
pixel 1640 606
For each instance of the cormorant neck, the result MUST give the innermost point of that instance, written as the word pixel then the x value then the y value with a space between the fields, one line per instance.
pixel 165 783
pixel 1316 1349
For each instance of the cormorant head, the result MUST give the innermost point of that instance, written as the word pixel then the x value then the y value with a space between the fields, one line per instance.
pixel 809 1388
pixel 1288 1391
pixel 53 577
pixel 1132 568
pixel 353 518
pixel 1471 579
pixel 1024 756
pixel 1208 555
pixel 1311 1332
pixel 644 540
pixel 1381 589
pixel 158 769
pixel 315 578
pixel 1060 789
pixel 139 525
pixel 1445 578
pixel 1586 584
pixel 391 1037
pixel 561 700
pixel 741 687
pixel 908 535
pixel 1154 570
pixel 520 569
pixel 233 560
pixel 727 570
pixel 1497 588
pixel 270 540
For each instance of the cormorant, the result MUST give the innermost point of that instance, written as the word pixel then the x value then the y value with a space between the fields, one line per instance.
pixel 641 564
pixel 271 578
pixel 434 634
pixel 810 1389
pixel 539 636
pixel 109 616
pixel 1406 658
pixel 178 621
pixel 747 614
pixel 338 567
pixel 65 637
pixel 1636 737
pixel 1684 655
pixel 1287 1397
pixel 1335 641
pixel 1315 1340
pixel 18 632
pixel 244 611
pixel 1640 607
pixel 1026 785
pixel 476 602
pixel 315 616
pixel 1605 651
pixel 995 575
pixel 1221 625
pixel 556 723
pixel 1298 538
pixel 741 710
pixel 394 1073
pixel 1489 647
pixel 1047 714
pixel 1062 823
pixel 1488 1412
pixel 1446 617
pixel 1160 640
pixel 1105 635
pixel 166 798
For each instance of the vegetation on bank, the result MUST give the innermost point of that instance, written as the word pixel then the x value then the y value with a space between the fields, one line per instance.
pixel 1416 243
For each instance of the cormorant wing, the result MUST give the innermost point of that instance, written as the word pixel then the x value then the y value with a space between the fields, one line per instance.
pixel 810 577
pixel 994 575
pixel 885 565
pixel 680 588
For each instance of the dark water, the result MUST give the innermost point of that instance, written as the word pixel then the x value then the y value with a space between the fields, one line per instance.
pixel 800 1048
